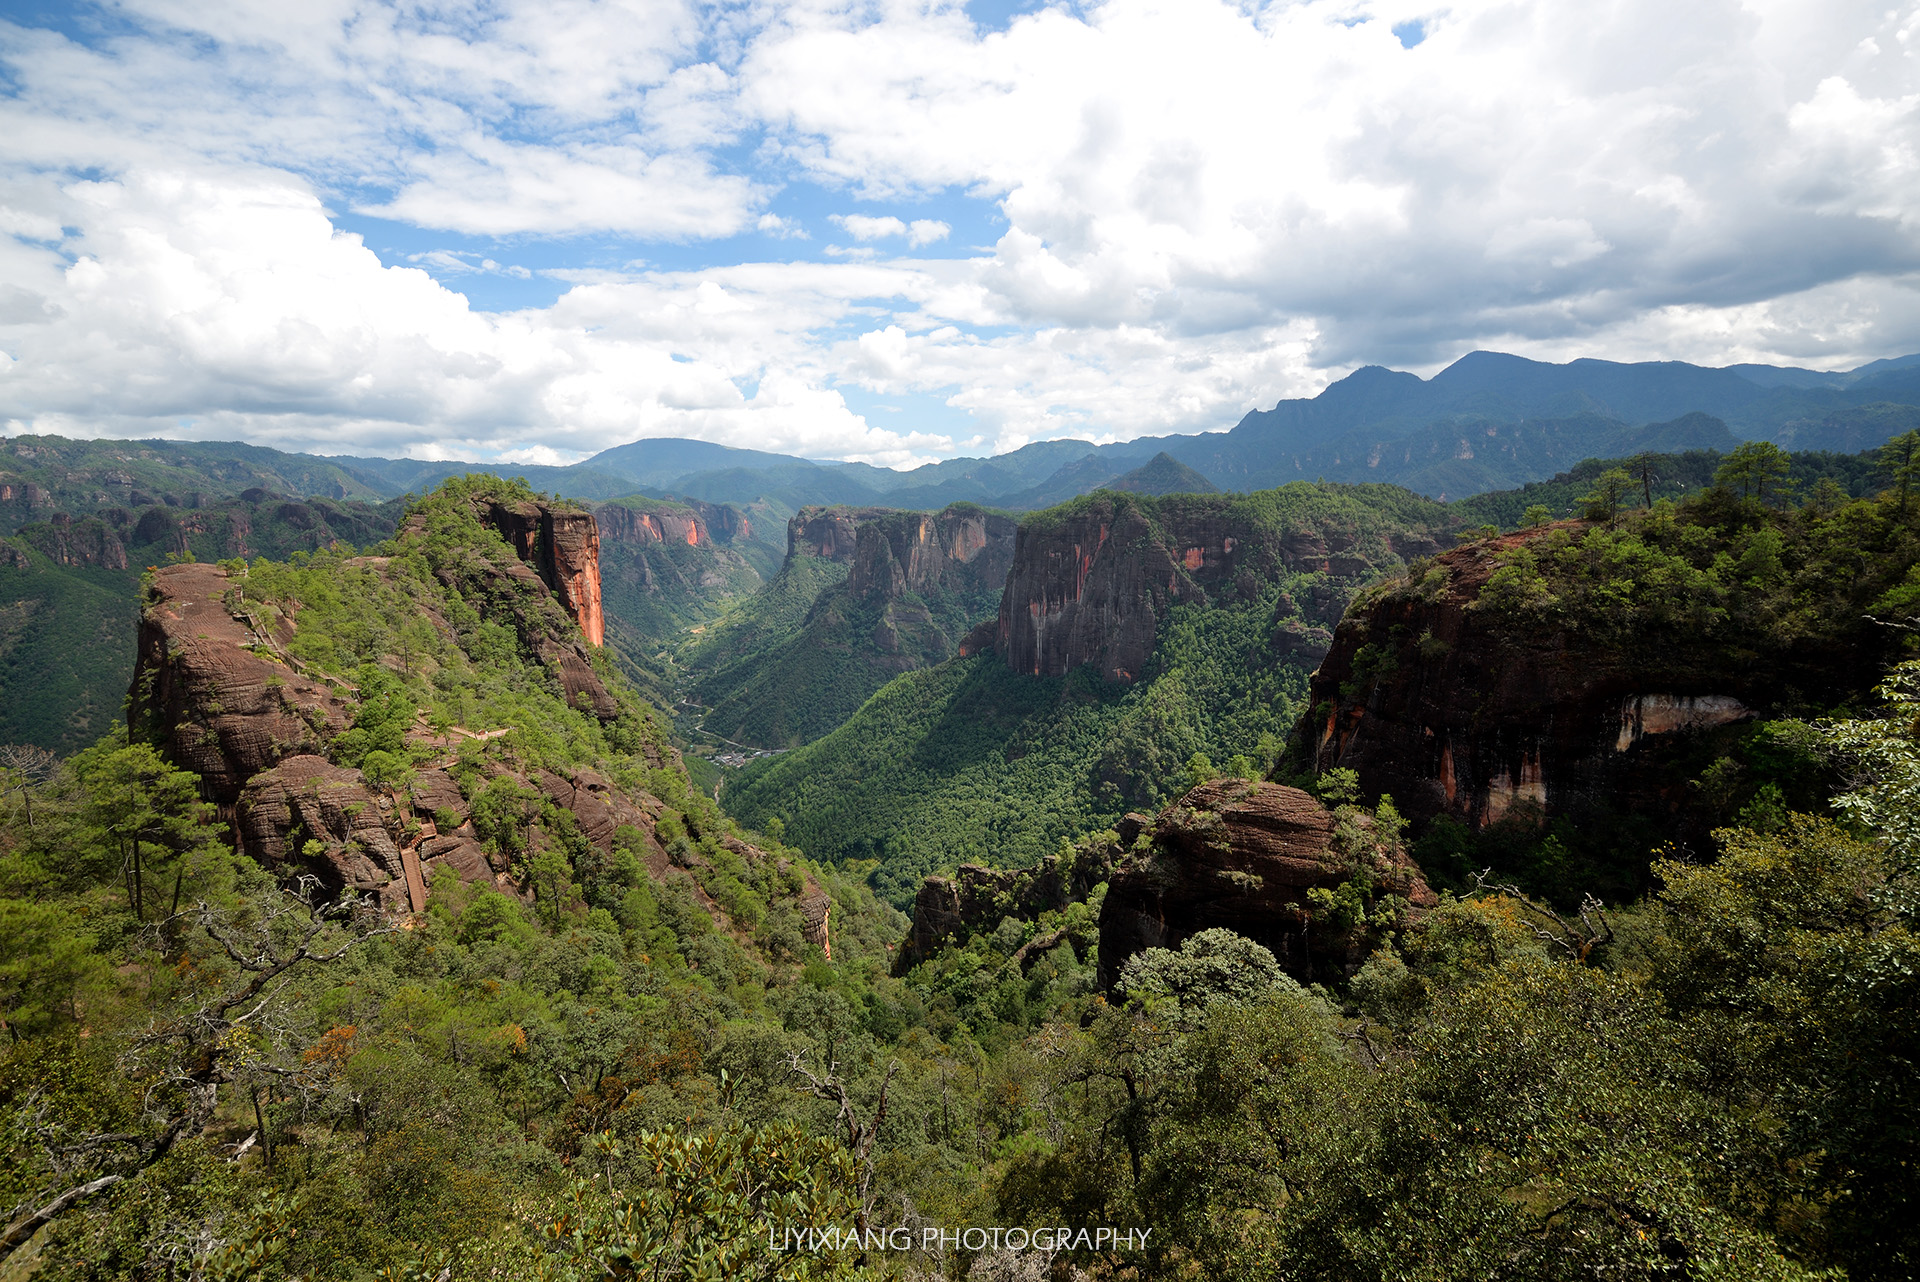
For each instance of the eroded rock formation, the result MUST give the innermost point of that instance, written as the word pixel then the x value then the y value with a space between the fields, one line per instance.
pixel 831 533
pixel 562 545
pixel 206 686
pixel 976 898
pixel 960 550
pixel 1456 711
pixel 218 688
pixel 1243 855
pixel 1092 585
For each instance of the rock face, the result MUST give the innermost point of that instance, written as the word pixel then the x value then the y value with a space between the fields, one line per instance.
pixel 562 545
pixel 961 549
pixel 1456 713
pixel 219 690
pixel 906 565
pixel 1243 856
pixel 915 584
pixel 662 524
pixel 689 521
pixel 976 898
pixel 203 685
pixel 88 542
pixel 1092 584
pixel 831 533
pixel 667 563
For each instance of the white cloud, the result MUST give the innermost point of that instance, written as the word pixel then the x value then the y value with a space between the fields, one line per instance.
pixel 1206 206
pixel 927 231
pixel 862 227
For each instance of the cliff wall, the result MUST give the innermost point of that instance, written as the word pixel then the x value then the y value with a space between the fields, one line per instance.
pixel 1456 704
pixel 1092 582
pixel 667 565
pixel 562 545
pixel 915 583
pixel 830 533
pixel 957 550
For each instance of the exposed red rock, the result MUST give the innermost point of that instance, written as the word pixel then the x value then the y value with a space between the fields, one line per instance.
pixel 1240 855
pixel 1091 586
pixel 571 543
pixel 222 709
pixel 561 545
pixel 1460 713
pixel 322 818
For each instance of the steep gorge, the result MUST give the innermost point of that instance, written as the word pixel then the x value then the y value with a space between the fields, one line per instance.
pixel 913 584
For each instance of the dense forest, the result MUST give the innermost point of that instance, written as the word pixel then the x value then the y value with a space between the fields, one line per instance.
pixel 615 1031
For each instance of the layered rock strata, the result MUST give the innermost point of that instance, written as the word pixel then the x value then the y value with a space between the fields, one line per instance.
pixel 1243 855
pixel 1457 711
pixel 1093 584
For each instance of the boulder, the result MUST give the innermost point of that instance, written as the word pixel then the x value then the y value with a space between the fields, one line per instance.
pixel 1241 855
pixel 307 814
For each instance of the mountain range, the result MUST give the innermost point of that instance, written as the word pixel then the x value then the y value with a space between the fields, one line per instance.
pixel 1488 421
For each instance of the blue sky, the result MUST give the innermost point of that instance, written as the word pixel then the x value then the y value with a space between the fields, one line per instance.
pixel 901 231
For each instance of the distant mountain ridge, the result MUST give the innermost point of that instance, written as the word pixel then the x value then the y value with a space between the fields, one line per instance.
pixel 1488 421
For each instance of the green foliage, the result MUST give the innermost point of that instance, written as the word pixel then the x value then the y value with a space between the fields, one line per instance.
pixel 969 760
pixel 709 1207
pixel 1207 969
pixel 1603 503
pixel 1752 467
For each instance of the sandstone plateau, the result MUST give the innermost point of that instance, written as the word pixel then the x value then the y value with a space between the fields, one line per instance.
pixel 1455 711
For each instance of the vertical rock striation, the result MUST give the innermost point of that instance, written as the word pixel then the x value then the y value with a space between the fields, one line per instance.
pixel 1093 582
pixel 562 545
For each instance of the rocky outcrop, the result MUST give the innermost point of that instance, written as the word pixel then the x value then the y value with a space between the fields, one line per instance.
pixel 308 814
pixel 659 523
pixel 206 684
pixel 1243 856
pixel 976 899
pixel 562 546
pixel 1456 711
pixel 961 549
pixel 1091 584
pixel 558 563
pixel 831 533
pixel 88 542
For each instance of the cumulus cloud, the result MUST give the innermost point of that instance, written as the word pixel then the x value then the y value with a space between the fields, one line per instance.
pixel 862 227
pixel 1201 207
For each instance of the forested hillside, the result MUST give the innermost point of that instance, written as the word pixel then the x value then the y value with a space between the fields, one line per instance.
pixel 986 757
pixel 915 585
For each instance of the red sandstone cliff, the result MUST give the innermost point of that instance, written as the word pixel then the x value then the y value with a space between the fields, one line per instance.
pixel 1456 711
pixel 562 544
pixel 1091 585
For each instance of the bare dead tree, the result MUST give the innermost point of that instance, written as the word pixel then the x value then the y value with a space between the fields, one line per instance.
pixel 186 1058
pixel 830 1087
pixel 1575 938
pixel 25 768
